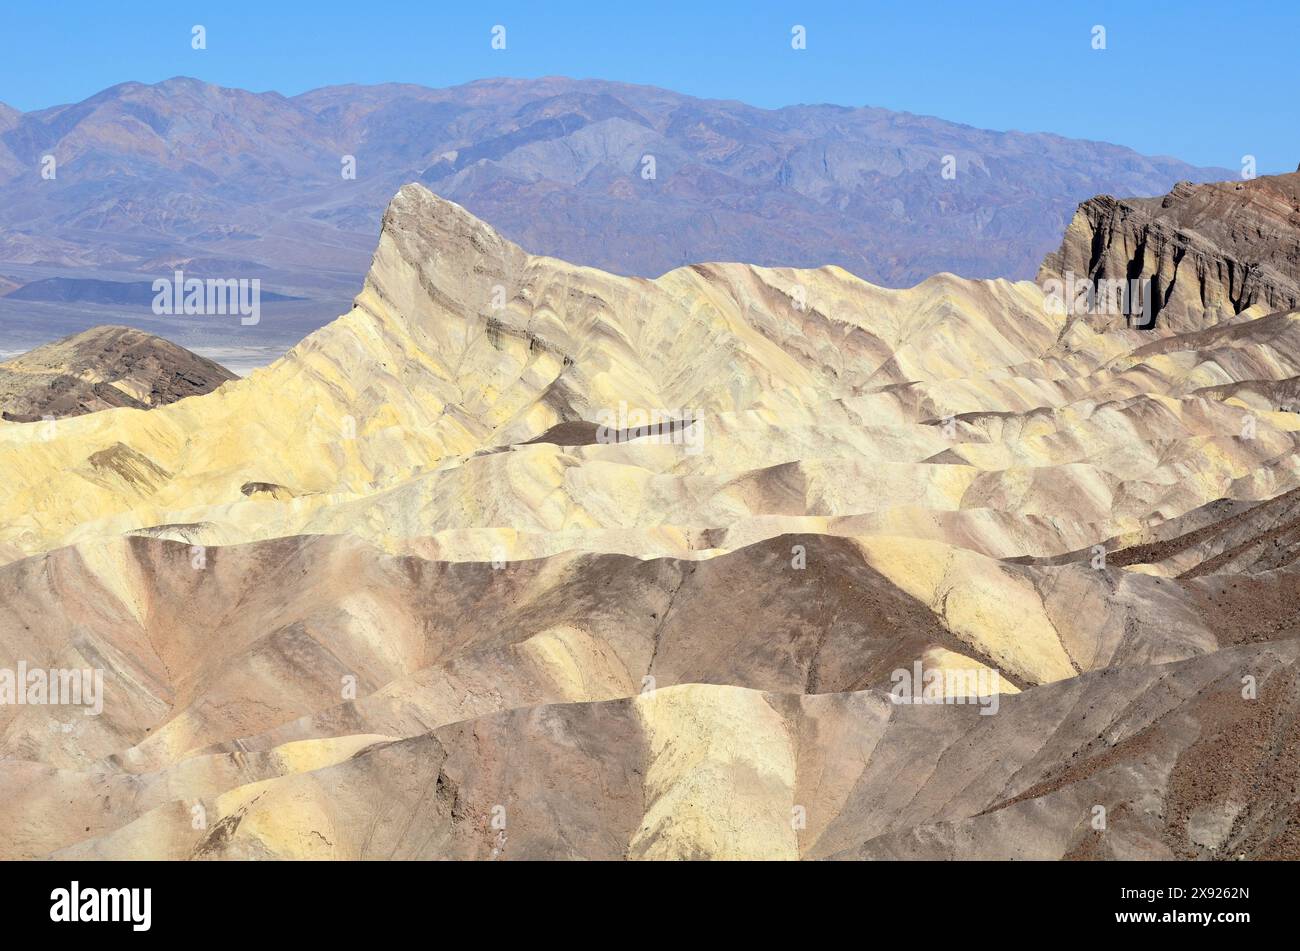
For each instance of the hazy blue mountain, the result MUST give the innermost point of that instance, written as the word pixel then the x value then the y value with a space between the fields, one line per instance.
pixel 230 183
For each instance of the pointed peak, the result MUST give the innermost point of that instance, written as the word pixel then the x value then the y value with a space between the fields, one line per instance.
pixel 414 201
pixel 437 234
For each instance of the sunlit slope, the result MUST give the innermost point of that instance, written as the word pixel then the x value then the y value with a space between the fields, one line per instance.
pixel 964 405
pixel 291 655
pixel 722 772
pixel 354 605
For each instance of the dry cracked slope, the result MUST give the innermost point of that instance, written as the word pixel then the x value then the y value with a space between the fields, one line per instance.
pixel 395 597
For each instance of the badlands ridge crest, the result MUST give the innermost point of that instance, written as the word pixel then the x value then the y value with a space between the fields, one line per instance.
pixel 670 647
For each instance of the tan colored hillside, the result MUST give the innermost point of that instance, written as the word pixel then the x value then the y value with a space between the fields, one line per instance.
pixel 402 583
pixel 821 399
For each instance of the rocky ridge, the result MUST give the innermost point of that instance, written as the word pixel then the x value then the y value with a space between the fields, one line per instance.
pixel 426 587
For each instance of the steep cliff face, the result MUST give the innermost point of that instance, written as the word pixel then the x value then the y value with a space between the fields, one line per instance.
pixel 1210 251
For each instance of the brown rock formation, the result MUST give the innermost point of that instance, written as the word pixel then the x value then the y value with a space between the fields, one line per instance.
pixel 424 589
pixel 102 368
pixel 1211 251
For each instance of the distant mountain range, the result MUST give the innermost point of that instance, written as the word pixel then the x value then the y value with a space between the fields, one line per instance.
pixel 230 183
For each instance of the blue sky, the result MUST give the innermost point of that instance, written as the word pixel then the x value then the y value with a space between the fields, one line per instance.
pixel 1207 82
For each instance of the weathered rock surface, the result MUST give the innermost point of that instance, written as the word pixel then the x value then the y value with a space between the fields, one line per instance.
pixel 100 369
pixel 1212 251
pixel 960 412
pixel 424 588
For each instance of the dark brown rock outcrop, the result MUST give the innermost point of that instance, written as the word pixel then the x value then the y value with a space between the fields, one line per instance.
pixel 103 368
pixel 1211 251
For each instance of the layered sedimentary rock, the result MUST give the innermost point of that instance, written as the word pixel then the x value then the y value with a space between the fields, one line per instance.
pixel 519 559
pixel 103 368
pixel 1211 251
pixel 420 420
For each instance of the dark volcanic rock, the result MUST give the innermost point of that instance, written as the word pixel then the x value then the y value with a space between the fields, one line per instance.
pixel 100 369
